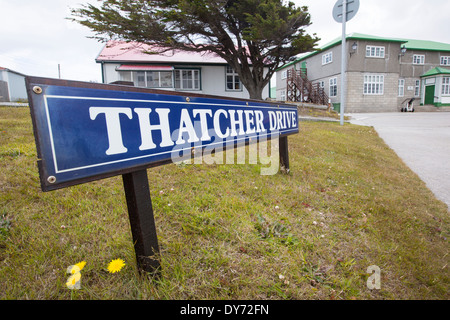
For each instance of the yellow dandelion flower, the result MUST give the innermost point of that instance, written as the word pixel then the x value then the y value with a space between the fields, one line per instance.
pixel 116 265
pixel 80 265
pixel 73 269
pixel 74 281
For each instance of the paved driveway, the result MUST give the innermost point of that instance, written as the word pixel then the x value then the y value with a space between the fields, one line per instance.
pixel 421 140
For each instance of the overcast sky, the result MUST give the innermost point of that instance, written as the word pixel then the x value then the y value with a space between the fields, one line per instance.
pixel 35 36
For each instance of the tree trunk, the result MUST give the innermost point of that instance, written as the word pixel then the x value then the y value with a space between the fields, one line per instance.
pixel 255 93
pixel 251 77
pixel 254 87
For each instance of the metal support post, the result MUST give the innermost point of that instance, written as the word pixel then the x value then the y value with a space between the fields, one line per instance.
pixel 343 61
pixel 284 153
pixel 142 222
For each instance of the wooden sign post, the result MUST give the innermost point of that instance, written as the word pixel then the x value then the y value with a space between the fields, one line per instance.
pixel 86 132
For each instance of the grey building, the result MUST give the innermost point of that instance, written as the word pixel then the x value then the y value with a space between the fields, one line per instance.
pixel 382 74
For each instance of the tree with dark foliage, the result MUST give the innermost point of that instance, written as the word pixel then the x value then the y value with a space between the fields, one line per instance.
pixel 249 34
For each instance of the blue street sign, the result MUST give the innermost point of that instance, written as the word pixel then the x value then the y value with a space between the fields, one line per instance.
pixel 86 131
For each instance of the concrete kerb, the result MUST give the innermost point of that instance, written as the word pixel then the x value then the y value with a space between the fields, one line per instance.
pixel 307 118
pixel 13 104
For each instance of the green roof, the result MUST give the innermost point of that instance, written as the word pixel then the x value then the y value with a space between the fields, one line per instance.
pixel 436 71
pixel 361 36
pixel 409 44
pixel 427 45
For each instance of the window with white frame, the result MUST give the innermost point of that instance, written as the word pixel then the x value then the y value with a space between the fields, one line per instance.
pixel 327 58
pixel 373 84
pixel 148 79
pixel 187 79
pixel 446 85
pixel 233 83
pixel 283 95
pixel 418 59
pixel 445 61
pixel 140 79
pixel 375 52
pixel 333 87
pixel 417 88
pixel 401 87
pixel 283 74
pixel 126 76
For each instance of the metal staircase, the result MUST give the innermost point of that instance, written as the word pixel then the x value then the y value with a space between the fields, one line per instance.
pixel 301 89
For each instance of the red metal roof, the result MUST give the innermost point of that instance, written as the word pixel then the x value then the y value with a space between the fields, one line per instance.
pixel 130 67
pixel 121 51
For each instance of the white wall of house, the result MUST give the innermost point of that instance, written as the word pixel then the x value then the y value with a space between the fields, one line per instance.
pixel 213 80
pixel 15 84
pixel 445 100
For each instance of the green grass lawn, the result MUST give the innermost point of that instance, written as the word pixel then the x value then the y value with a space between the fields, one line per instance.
pixel 227 232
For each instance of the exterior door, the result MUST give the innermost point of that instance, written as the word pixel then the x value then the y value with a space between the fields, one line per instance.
pixel 304 65
pixel 429 95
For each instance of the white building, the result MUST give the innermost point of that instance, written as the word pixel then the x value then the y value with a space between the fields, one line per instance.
pixel 143 66
pixel 12 86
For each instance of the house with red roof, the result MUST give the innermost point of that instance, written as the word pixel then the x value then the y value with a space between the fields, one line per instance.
pixel 142 65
